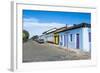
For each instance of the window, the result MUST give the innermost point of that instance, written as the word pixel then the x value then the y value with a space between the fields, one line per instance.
pixel 89 36
pixel 71 37
pixel 61 39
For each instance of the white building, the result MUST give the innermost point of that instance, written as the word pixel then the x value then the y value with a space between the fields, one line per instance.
pixel 48 35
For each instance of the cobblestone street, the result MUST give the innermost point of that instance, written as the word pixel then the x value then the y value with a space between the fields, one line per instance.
pixel 35 52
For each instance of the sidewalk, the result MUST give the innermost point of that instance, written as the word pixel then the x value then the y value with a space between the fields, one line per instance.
pixel 79 53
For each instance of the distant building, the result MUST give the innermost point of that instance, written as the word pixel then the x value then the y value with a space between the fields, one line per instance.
pixel 76 37
pixel 48 35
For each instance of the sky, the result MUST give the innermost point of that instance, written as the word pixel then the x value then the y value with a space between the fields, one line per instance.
pixel 36 22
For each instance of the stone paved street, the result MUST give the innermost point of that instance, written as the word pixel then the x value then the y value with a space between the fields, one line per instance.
pixel 35 52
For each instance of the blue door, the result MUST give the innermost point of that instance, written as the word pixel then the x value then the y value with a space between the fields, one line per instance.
pixel 65 40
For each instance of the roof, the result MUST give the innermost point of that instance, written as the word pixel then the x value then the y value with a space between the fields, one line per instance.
pixel 50 30
pixel 75 26
pixel 59 29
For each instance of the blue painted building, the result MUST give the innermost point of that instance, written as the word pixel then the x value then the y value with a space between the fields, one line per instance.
pixel 76 37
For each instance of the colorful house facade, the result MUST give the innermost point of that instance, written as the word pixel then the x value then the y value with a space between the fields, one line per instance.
pixel 52 36
pixel 75 37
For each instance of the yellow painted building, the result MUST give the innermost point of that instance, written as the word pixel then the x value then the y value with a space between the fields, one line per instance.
pixel 56 38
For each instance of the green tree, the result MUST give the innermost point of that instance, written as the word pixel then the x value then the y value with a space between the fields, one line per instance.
pixel 25 35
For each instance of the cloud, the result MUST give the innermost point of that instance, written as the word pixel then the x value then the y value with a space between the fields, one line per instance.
pixel 34 27
pixel 30 20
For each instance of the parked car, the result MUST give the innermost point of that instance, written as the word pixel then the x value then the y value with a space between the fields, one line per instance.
pixel 40 41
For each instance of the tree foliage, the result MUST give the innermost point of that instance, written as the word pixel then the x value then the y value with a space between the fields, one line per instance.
pixel 25 35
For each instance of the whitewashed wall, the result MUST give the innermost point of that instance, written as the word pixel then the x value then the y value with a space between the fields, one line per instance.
pixel 50 37
pixel 86 43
